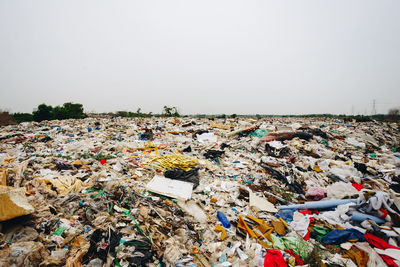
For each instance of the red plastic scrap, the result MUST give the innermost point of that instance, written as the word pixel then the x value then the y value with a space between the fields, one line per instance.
pixel 297 258
pixel 357 186
pixel 381 244
pixel 308 212
pixel 385 213
pixel 274 258
pixel 307 236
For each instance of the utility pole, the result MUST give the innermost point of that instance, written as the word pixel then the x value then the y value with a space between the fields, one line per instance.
pixel 374 107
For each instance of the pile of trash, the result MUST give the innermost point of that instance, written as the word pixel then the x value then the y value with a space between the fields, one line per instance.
pixel 200 192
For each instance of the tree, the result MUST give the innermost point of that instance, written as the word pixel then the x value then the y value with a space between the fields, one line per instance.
pixel 394 114
pixel 176 113
pixel 59 113
pixel 21 117
pixel 122 113
pixel 74 111
pixel 42 113
pixel 139 112
pixel 170 111
pixel 167 111
pixel 66 111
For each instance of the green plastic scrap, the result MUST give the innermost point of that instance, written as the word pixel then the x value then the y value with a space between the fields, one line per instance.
pixel 259 133
pixel 117 263
pixel 278 242
pixel 127 212
pixel 202 264
pixel 325 142
pixel 320 232
pixel 59 231
pixel 111 207
pixel 100 192
pixel 373 155
pixel 295 244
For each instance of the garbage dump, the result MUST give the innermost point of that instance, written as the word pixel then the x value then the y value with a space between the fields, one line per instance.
pixel 200 192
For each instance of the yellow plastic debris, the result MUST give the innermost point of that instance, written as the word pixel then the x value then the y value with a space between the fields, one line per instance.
pixel 9 160
pixel 317 168
pixel 13 203
pixel 176 161
pixel 150 147
pixel 219 228
pixel 221 126
pixel 77 162
pixel 3 177
pixel 63 184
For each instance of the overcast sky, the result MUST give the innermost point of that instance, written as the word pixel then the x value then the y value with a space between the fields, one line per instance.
pixel 208 56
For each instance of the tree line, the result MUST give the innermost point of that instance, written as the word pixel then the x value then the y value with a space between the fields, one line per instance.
pixel 75 111
pixel 167 112
pixel 47 112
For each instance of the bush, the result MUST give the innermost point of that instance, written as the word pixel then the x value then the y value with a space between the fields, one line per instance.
pixel 59 113
pixel 363 118
pixel 21 117
pixel 66 111
pixel 71 111
pixel 393 114
pixel 42 113
pixel 129 114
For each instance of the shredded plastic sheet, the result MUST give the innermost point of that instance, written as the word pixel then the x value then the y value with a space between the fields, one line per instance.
pixel 207 137
pixel 63 184
pixel 177 161
pixel 294 243
pixel 151 147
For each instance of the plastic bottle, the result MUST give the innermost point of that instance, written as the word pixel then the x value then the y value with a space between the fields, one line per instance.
pixel 222 218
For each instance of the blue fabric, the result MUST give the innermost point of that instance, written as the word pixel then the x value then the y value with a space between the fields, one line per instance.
pixel 338 237
pixel 286 215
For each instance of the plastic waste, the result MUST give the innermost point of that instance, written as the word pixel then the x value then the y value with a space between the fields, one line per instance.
pixel 95 214
pixel 13 203
pixel 285 214
pixel 360 217
pixel 316 193
pixel 338 237
pixel 222 218
pixel 341 190
pixel 322 204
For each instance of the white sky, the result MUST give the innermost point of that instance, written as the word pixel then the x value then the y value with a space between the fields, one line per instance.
pixel 219 56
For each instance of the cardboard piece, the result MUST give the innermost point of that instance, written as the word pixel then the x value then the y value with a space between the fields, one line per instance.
pixel 169 187
pixel 261 203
